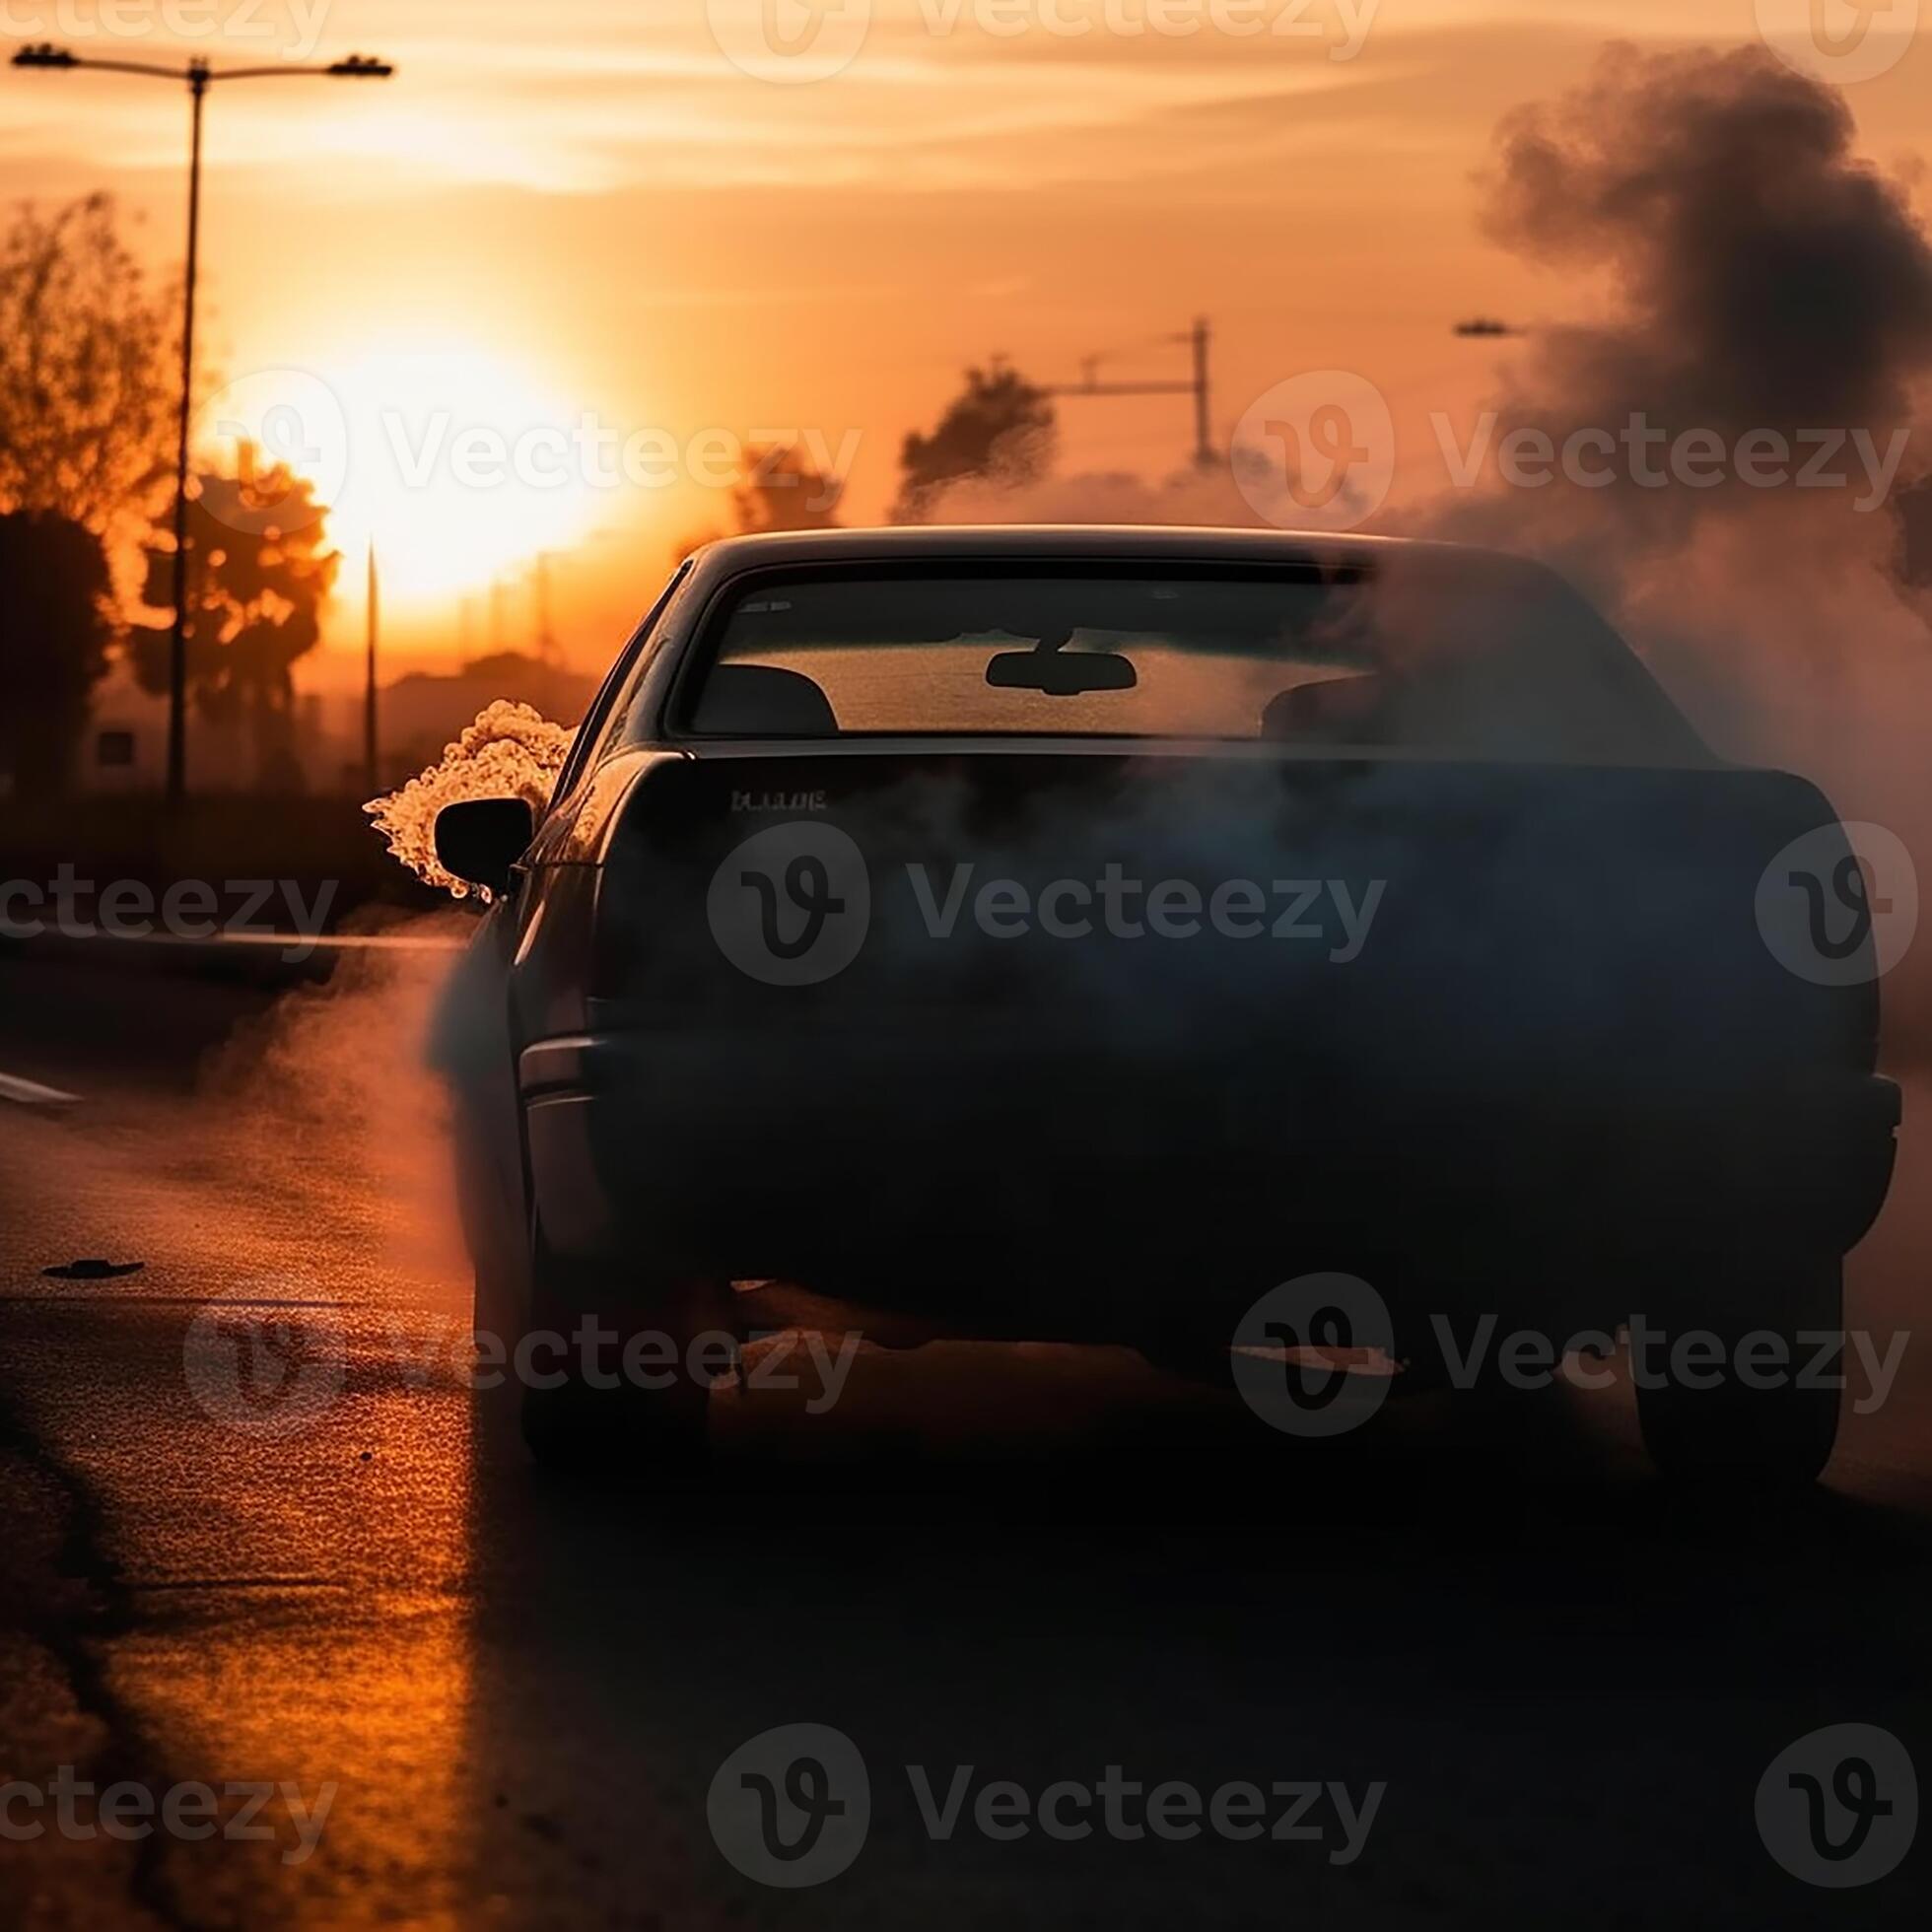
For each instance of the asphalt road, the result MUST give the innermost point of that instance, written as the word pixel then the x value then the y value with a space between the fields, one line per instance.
pixel 1565 1682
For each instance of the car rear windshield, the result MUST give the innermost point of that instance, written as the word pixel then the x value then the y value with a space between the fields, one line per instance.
pixel 1424 653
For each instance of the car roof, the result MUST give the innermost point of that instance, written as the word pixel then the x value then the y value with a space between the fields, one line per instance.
pixel 1080 542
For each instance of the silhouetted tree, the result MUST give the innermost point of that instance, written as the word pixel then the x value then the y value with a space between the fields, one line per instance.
pixel 87 402
pixel 1000 429
pixel 781 489
pixel 86 384
pixel 54 633
pixel 257 574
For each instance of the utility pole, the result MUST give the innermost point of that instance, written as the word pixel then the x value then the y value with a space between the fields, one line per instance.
pixel 199 77
pixel 1204 452
pixel 1196 386
pixel 371 771
pixel 546 638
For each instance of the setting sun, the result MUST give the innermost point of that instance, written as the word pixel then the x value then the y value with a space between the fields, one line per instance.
pixel 457 462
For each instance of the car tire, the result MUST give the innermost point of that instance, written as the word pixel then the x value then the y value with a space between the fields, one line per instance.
pixel 590 1430
pixel 1737 1436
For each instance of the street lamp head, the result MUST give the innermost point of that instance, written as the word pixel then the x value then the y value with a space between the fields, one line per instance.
pixel 362 67
pixel 44 53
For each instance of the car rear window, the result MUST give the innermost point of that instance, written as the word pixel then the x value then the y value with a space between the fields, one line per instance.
pixel 1425 655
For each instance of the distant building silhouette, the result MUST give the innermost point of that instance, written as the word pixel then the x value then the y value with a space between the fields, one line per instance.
pixel 422 712
pixel 125 745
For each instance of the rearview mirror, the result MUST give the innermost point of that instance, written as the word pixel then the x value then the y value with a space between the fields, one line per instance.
pixel 1060 673
pixel 479 840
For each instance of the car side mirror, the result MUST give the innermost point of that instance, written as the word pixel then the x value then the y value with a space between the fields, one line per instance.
pixel 480 840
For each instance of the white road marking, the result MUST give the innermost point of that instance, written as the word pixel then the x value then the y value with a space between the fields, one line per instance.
pixel 30 1094
pixel 286 942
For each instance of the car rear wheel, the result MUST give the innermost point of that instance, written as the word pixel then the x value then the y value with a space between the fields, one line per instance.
pixel 1745 1424
pixel 616 1381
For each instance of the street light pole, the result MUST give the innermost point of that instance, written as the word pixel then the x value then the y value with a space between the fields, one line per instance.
pixel 178 652
pixel 199 77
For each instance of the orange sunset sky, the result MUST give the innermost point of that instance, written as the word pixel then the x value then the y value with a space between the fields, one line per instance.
pixel 562 206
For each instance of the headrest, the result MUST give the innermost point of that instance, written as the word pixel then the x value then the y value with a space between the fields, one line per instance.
pixel 1331 710
pixel 761 701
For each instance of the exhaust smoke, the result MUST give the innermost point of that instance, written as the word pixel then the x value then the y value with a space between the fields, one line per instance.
pixel 511 751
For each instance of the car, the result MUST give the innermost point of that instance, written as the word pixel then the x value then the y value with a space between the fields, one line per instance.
pixel 1077 934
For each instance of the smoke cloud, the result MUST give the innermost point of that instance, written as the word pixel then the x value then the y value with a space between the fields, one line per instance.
pixel 1188 496
pixel 1754 273
pixel 1768 278
pixel 511 751
pixel 1760 277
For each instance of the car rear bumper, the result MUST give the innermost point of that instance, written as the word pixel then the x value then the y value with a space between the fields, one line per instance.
pixel 869 1158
